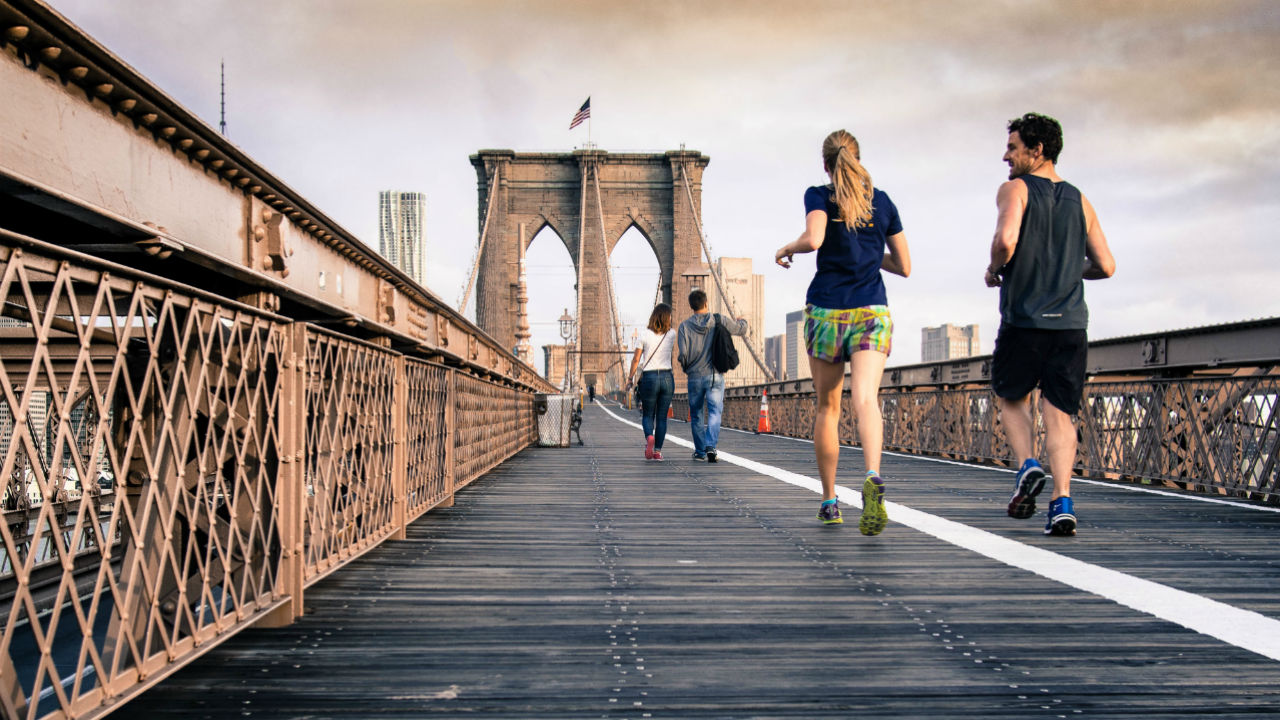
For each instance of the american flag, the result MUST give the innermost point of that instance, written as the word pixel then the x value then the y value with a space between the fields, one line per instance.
pixel 583 113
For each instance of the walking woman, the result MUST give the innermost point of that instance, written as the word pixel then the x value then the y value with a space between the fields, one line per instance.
pixel 656 383
pixel 850 224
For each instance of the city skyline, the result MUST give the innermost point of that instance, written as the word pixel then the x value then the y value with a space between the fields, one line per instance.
pixel 1169 109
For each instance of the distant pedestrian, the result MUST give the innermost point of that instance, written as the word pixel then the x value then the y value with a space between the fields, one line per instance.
pixel 850 223
pixel 706 386
pixel 656 384
pixel 1047 242
pixel 591 393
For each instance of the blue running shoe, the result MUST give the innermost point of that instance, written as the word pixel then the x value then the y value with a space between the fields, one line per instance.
pixel 1026 486
pixel 829 513
pixel 1062 517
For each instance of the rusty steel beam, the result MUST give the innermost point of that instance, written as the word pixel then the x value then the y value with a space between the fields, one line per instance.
pixel 77 125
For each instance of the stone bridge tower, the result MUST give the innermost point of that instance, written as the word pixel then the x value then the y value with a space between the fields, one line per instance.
pixel 589 198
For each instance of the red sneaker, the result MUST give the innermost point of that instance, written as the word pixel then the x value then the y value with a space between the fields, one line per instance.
pixel 648 448
pixel 657 454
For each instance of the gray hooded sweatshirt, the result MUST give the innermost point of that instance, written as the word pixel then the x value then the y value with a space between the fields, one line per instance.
pixel 694 340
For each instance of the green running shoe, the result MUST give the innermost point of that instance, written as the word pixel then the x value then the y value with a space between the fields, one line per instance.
pixel 829 514
pixel 874 518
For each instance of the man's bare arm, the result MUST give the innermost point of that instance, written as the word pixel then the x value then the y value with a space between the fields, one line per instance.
pixel 1099 263
pixel 1011 202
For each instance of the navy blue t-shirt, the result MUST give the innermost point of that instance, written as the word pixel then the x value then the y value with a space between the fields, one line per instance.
pixel 849 260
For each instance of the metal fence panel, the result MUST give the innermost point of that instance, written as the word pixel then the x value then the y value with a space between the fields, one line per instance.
pixel 493 423
pixel 139 436
pixel 349 449
pixel 429 480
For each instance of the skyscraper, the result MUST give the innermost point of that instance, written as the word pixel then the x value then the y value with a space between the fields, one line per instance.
pixel 775 355
pixel 797 355
pixel 946 342
pixel 402 233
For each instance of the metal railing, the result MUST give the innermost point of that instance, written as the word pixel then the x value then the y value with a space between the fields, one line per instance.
pixel 179 466
pixel 1218 434
pixel 182 458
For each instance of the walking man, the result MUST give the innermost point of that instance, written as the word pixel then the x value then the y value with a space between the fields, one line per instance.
pixel 706 386
pixel 1047 241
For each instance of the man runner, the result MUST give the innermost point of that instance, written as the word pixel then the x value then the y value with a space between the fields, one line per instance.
pixel 1047 241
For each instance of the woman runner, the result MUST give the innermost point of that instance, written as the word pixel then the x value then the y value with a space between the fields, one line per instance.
pixel 850 224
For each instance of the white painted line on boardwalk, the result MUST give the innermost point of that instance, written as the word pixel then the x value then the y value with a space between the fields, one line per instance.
pixel 1242 628
pixel 1010 471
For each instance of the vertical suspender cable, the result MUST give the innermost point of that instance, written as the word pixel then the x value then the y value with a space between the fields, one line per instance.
pixel 582 261
pixel 608 272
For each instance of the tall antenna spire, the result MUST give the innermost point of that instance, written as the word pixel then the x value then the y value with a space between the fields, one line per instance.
pixel 222 122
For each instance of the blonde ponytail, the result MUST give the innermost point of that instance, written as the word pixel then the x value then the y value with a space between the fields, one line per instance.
pixel 851 181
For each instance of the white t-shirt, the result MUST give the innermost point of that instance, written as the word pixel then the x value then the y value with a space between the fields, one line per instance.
pixel 658 347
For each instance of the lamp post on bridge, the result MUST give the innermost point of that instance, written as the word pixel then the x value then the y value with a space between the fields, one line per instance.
pixel 567 327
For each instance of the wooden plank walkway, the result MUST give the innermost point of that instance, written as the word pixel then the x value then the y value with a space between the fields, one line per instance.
pixel 588 583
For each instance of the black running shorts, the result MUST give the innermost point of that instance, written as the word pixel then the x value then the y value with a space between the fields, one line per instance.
pixel 1053 360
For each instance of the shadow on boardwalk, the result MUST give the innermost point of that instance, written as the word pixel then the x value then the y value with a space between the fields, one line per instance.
pixel 587 583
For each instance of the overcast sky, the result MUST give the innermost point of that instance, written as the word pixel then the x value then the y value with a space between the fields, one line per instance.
pixel 1171 113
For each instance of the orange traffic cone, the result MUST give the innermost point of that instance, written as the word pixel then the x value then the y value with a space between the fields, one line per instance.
pixel 671 413
pixel 763 425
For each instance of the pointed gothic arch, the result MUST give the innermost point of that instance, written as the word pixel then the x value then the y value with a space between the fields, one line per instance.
pixel 637 276
pixel 591 198
pixel 625 223
pixel 555 224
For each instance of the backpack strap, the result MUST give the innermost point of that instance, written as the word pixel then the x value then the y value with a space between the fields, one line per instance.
pixel 711 345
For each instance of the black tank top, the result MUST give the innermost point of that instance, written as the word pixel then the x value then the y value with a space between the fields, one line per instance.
pixel 1042 285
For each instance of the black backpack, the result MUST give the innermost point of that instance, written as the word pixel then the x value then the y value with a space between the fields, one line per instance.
pixel 724 356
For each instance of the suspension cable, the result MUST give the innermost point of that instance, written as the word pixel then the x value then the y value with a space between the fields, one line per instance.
pixel 751 347
pixel 582 261
pixel 484 232
pixel 608 271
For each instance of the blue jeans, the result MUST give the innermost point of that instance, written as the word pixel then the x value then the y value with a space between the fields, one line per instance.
pixel 706 392
pixel 656 389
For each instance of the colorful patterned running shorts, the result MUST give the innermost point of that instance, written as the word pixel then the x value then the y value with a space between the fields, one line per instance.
pixel 835 335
